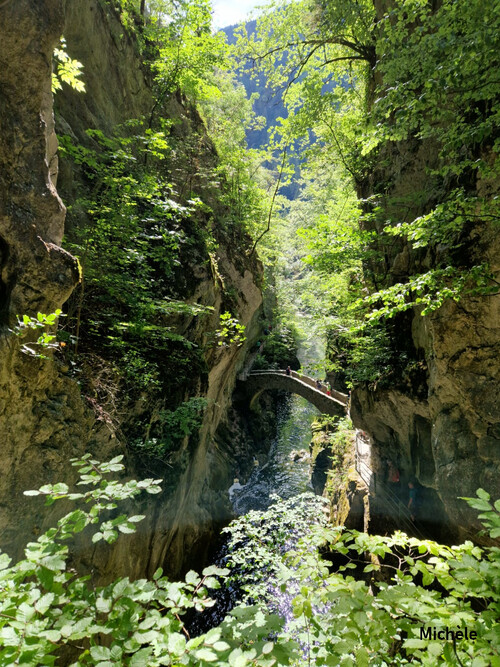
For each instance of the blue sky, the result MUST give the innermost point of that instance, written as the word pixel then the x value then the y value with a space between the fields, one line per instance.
pixel 227 12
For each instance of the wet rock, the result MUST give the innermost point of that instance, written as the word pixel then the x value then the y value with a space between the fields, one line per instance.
pixel 301 455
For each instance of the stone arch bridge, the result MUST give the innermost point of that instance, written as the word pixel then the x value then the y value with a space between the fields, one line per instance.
pixel 258 381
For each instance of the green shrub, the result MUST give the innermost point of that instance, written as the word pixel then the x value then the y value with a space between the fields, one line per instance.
pixel 303 612
pixel 280 349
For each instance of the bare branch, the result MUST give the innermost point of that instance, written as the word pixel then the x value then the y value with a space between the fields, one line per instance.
pixel 272 202
pixel 339 148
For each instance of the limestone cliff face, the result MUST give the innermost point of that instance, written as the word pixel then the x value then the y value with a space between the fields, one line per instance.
pixel 44 419
pixel 441 424
pixel 449 437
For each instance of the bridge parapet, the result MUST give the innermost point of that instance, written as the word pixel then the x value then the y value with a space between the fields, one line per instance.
pixel 343 398
pixel 335 404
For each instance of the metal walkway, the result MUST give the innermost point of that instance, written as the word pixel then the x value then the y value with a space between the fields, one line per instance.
pixel 386 499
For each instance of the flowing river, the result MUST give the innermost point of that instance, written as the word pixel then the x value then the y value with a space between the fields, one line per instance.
pixel 281 475
pixel 284 474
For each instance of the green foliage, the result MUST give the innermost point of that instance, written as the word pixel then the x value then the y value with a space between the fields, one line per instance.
pixel 340 439
pixel 305 613
pixel 45 340
pixel 229 117
pixel 362 354
pixel 131 252
pixel 280 349
pixel 66 70
pixel 172 427
pixel 323 249
pixel 371 612
pixel 337 436
pixel 177 38
pixel 414 84
pixel 304 55
pixel 447 72
pixel 189 51
pixel 45 605
pixel 131 206
pixel 185 419
pixel 230 331
pixel 438 65
pixel 145 219
pixel 185 54
pixel 259 540
pixel 430 290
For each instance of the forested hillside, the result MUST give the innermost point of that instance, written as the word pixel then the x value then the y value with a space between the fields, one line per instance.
pixel 158 245
pixel 265 102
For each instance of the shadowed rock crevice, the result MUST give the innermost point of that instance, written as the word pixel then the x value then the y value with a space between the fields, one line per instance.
pixel 421 451
pixel 4 288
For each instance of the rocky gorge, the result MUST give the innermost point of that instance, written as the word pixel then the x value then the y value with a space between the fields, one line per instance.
pixel 46 417
pixel 437 419
pixel 165 287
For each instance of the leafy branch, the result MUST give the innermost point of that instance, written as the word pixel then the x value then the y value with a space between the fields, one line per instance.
pixel 45 340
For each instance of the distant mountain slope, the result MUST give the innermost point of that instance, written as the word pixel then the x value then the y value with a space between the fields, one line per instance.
pixel 267 104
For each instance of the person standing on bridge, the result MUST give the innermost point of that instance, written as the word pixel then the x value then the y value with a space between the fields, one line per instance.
pixel 288 370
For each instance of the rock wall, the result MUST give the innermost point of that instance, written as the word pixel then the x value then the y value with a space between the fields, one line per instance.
pixel 333 475
pixel 440 424
pixel 44 419
pixel 448 439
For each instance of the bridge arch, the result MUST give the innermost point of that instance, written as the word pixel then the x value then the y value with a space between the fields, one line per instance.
pixel 258 381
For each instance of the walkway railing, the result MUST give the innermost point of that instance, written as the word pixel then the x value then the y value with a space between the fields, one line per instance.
pixel 365 473
pixel 394 506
